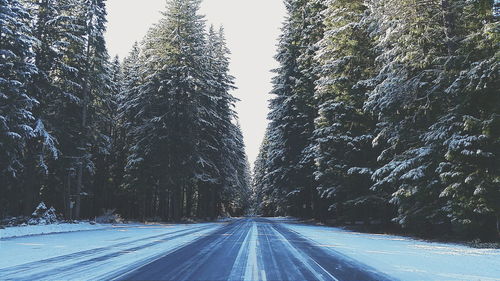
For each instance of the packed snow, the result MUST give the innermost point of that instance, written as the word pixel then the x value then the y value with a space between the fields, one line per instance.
pixel 18 231
pixel 101 254
pixel 405 258
pixel 108 251
pixel 43 221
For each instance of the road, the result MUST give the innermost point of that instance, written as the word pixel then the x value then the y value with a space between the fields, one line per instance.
pixel 241 249
pixel 238 249
pixel 253 249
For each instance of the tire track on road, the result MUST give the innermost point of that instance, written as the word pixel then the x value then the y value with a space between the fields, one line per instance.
pixel 209 258
pixel 16 272
pixel 336 264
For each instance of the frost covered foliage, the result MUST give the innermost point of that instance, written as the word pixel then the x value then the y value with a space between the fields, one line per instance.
pixel 42 215
pixel 185 153
pixel 342 136
pixel 406 128
pixel 18 125
pixel 292 112
pixel 109 216
pixel 16 103
pixel 422 97
pixel 405 98
pixel 471 170
pixel 153 136
pixel 71 61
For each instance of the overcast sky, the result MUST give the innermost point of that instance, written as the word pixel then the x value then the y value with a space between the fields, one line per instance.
pixel 252 29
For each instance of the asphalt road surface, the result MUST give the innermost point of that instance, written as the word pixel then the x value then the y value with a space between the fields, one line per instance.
pixel 253 249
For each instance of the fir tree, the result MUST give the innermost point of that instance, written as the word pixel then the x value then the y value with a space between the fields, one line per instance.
pixel 292 110
pixel 265 202
pixel 92 67
pixel 135 170
pixel 107 154
pixel 343 132
pixel 405 98
pixel 17 125
pixel 470 127
pixel 50 27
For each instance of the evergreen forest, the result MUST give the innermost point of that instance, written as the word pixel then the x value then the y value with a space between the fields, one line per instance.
pixel 384 114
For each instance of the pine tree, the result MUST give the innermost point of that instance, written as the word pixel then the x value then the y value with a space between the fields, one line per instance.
pixel 214 111
pixel 470 127
pixel 311 33
pixel 343 132
pixel 223 137
pixel 406 96
pixel 109 163
pixel 50 28
pixel 169 103
pixel 92 67
pixel 156 137
pixel 135 169
pixel 59 84
pixel 16 103
pixel 280 107
pixel 238 193
pixel 292 110
pixel 265 202
pixel 73 62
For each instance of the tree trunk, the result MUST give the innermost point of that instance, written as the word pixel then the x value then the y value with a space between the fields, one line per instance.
pixel 189 201
pixel 79 180
pixel 30 191
pixel 213 203
pixel 79 177
pixel 200 206
pixel 67 198
pixel 167 205
pixel 183 203
pixel 170 205
pixel 448 23
pixel 84 132
pixel 498 226
pixel 177 209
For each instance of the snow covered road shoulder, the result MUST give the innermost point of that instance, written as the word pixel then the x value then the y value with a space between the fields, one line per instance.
pixel 404 258
pixel 239 249
pixel 92 255
pixel 19 231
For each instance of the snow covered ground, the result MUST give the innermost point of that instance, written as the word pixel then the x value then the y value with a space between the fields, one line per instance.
pixel 92 255
pixel 253 248
pixel 404 258
pixel 18 231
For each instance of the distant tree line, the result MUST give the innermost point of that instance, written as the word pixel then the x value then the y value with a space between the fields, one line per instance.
pixel 386 112
pixel 153 137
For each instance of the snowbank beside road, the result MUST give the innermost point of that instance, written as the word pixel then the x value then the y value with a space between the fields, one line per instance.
pixel 19 231
pixel 405 258
pixel 94 255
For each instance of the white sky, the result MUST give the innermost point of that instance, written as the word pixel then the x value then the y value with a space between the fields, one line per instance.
pixel 252 29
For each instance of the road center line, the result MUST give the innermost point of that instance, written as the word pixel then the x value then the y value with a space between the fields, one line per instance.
pixel 252 270
pixel 239 263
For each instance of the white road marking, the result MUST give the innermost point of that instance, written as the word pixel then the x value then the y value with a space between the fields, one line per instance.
pixel 252 271
pixel 263 274
pixel 239 263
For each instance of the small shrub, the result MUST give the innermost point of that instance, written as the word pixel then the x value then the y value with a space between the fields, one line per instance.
pixel 109 216
pixel 43 215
